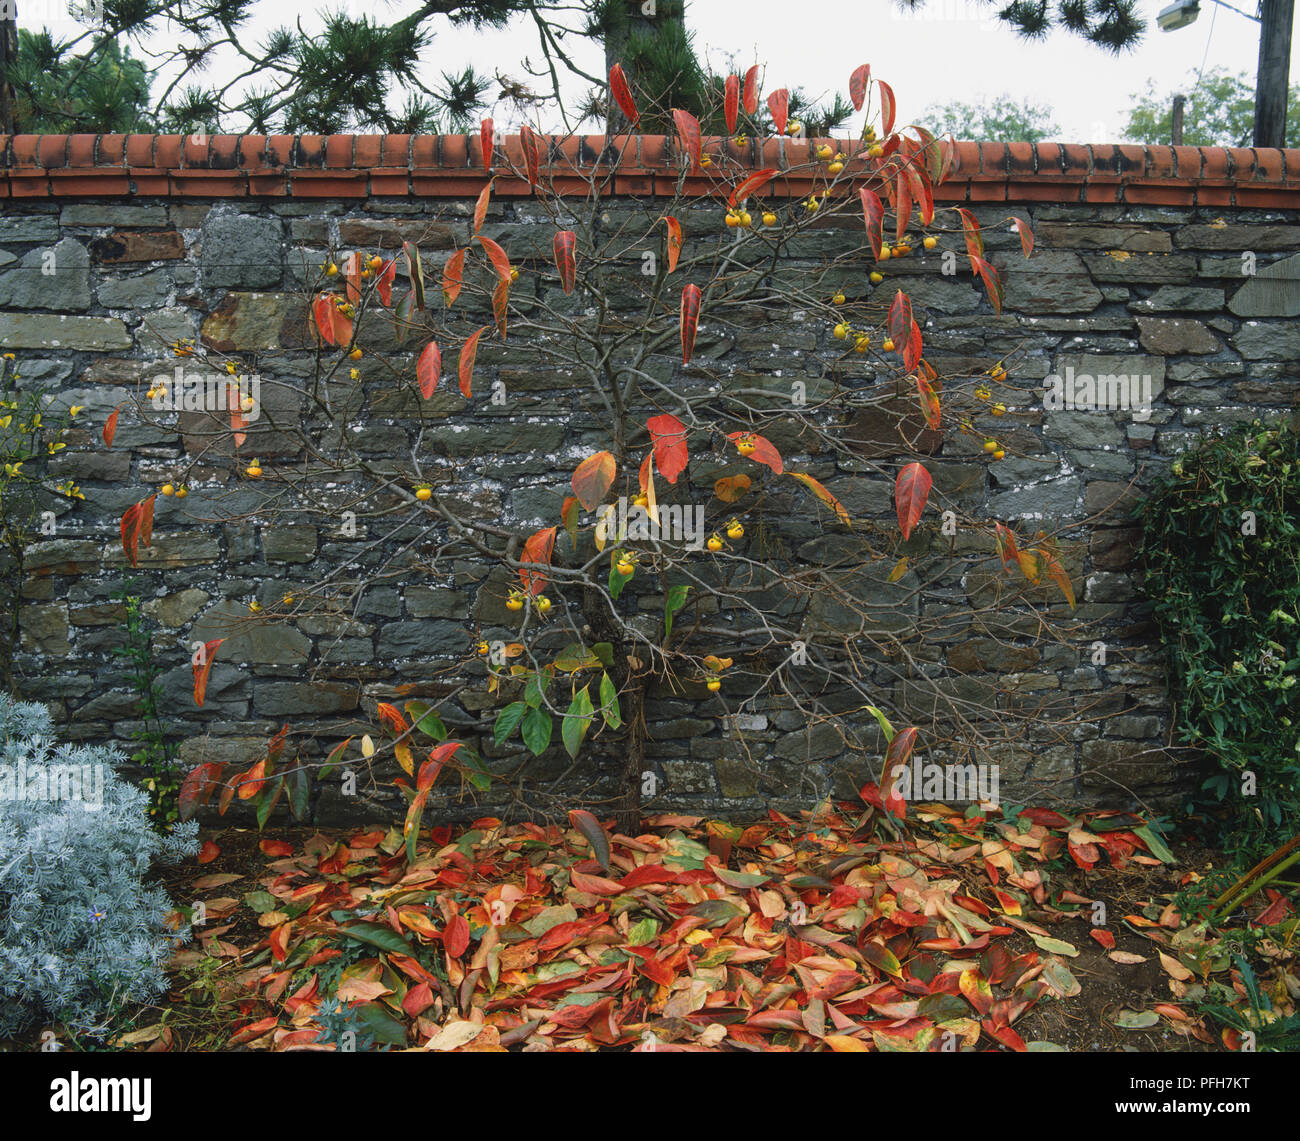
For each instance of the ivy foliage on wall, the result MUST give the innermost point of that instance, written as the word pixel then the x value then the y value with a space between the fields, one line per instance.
pixel 1221 547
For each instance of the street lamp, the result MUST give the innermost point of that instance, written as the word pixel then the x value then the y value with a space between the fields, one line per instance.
pixel 1274 72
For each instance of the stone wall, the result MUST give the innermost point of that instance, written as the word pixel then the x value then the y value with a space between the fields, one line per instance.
pixel 1175 264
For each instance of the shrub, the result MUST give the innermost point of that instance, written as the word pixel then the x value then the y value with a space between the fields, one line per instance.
pixel 1222 553
pixel 81 932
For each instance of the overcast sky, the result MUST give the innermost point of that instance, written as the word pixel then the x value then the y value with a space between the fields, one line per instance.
pixel 951 50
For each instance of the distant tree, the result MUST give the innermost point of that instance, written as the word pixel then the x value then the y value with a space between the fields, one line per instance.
pixel 1113 25
pixel 1219 112
pixel 997 120
pixel 56 92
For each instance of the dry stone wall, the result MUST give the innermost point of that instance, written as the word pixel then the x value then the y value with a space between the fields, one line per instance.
pixel 1184 280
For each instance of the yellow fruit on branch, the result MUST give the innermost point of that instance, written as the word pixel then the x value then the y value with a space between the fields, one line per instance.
pixel 746 445
pixel 876 278
pixel 253 470
pixel 841 332
pixel 714 544
pixel 423 493
pixel 930 242
pixel 167 489
pixel 769 219
pixel 887 345
pixel 542 603
pixel 990 446
pixel 713 684
pixel 735 530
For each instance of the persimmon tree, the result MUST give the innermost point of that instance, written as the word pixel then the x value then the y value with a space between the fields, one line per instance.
pixel 629 303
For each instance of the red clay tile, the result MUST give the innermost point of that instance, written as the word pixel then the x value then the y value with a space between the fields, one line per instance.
pixel 279 150
pixel 84 185
pixel 1159 195
pixel 455 151
pixel 1020 158
pixel 1133 160
pixel 424 151
pixel 1161 162
pixel 81 150
pixel 308 184
pixel 1243 162
pixel 1214 196
pixel 196 151
pixel 25 150
pixel 268 185
pixel 251 152
pixel 396 152
pixel 338 151
pixel 309 151
pixel 1189 162
pixel 1076 159
pixel 206 184
pixel 150 184
pixel 52 151
pixel 1215 163
pixel 390 185
pixel 29 186
pixel 1268 164
pixel 139 151
pixel 366 151
pixel 168 150
pixel 1267 198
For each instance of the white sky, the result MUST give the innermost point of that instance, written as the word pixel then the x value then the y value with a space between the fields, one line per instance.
pixel 951 50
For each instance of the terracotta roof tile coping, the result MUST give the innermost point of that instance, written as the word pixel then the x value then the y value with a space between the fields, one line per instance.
pixel 363 166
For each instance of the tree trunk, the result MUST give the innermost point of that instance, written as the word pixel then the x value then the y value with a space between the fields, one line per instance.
pixel 1271 81
pixel 8 54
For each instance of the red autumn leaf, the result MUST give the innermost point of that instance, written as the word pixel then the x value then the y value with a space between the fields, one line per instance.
pixel 929 402
pixel 1026 235
pixel 418 999
pixel 384 281
pixel 428 369
pixel 674 242
pixel 731 102
pixel 594 885
pixel 528 142
pixel 132 518
pixel 110 427
pixel 391 718
pixel 858 85
pixel 815 486
pixel 690 319
pixel 485 143
pixel 1104 937
pixel 668 434
pixel 887 106
pixel 1006 1036
pixel 455 936
pixel 873 213
pixel 764 451
pixel 280 941
pixel 688 134
pixel 253 781
pixel 592 477
pixel 1009 553
pixel 452 273
pixel 202 667
pixel 569 517
pixel 623 94
pixel 911 490
pixel 896 757
pixel 779 104
pixel 992 282
pixel 276 849
pixel 197 787
pixel 643 475
pixel 751 185
pixel 146 521
pixel 749 96
pixel 919 183
pixel 208 852
pixel 500 302
pixel 971 230
pixel 469 350
pixel 497 256
pixel 538 549
pixel 481 205
pixel 903 330
pixel 902 206
pixel 439 755
pixel 565 261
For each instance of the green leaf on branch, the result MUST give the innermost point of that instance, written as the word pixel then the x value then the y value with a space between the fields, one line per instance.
pixel 577 720
pixel 508 721
pixel 537 728
pixel 673 602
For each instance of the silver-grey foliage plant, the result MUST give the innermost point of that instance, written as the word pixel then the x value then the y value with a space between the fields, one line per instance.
pixel 81 932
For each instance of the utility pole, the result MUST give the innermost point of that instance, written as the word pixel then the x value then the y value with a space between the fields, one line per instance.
pixel 1176 122
pixel 1276 18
